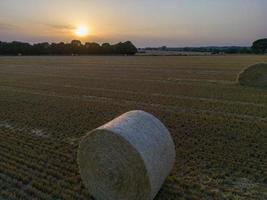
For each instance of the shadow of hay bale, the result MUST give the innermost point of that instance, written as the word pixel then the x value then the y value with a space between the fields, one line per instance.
pixel 254 76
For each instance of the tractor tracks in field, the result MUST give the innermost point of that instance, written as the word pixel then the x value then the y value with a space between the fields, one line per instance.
pixel 183 97
pixel 115 77
pixel 143 105
pixel 174 109
pixel 153 94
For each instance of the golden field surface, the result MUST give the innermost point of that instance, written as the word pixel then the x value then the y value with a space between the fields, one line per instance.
pixel 48 103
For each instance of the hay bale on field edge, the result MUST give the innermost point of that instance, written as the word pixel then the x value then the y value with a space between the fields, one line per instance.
pixel 127 158
pixel 254 76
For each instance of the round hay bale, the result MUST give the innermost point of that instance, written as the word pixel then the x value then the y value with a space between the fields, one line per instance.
pixel 254 76
pixel 126 159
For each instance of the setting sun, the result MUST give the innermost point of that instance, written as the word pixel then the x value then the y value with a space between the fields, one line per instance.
pixel 81 31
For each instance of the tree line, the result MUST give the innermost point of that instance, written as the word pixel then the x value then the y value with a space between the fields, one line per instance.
pixel 208 49
pixel 260 46
pixel 75 47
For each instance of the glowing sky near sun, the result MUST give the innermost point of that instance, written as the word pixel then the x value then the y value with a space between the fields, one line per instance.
pixel 145 22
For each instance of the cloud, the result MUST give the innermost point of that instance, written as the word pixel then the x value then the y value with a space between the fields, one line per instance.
pixel 60 26
pixel 6 26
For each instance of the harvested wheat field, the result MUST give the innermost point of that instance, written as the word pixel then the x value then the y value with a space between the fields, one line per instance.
pixel 48 103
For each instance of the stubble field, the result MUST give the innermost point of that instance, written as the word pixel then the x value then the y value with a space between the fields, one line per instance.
pixel 48 103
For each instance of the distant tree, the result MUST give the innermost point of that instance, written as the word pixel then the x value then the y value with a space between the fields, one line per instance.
pixel 125 48
pixel 107 48
pixel 106 45
pixel 260 46
pixel 40 48
pixel 76 43
pixel 163 48
pixel 93 48
pixel 74 47
pixel 15 48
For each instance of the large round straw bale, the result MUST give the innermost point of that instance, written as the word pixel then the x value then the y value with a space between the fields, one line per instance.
pixel 126 159
pixel 254 76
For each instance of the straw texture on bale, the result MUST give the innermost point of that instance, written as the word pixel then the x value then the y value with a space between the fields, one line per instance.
pixel 126 159
pixel 254 76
